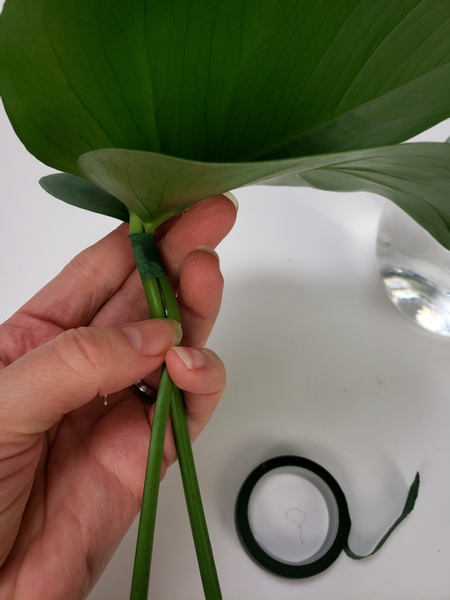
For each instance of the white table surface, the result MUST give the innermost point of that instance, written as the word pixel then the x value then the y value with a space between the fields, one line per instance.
pixel 320 364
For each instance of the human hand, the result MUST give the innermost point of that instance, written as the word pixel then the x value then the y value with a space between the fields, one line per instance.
pixel 71 468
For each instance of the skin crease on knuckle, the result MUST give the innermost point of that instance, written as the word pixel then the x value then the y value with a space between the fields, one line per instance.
pixel 79 348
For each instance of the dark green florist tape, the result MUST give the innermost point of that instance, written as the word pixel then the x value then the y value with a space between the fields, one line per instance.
pixel 409 505
pixel 147 256
pixel 339 518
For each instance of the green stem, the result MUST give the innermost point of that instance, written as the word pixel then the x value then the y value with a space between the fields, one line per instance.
pixel 146 531
pixel 169 298
pixel 147 519
pixel 162 302
pixel 155 302
pixel 202 543
pixel 194 504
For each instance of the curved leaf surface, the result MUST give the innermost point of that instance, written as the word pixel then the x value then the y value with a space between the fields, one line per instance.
pixel 335 76
pixel 414 176
pixel 222 80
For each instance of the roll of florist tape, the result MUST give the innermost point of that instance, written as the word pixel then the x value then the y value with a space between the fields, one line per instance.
pixel 292 517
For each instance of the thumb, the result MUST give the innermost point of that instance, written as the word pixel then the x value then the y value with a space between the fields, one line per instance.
pixel 69 371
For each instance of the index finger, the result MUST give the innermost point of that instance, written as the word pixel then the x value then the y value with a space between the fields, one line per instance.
pixel 92 279
pixel 205 223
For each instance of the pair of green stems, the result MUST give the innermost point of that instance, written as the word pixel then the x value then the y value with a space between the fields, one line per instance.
pixel 163 303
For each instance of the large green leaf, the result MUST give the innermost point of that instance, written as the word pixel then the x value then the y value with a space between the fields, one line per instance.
pixel 415 176
pixel 170 102
pixel 222 80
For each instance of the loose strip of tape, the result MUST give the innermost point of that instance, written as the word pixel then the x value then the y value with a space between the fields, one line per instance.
pixel 339 519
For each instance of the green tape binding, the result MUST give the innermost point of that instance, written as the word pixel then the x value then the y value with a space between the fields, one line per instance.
pixel 339 528
pixel 147 256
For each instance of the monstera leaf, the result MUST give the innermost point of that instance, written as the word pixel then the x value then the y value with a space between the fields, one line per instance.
pixel 161 104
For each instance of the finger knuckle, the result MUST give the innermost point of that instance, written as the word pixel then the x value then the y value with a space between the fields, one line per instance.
pixel 81 350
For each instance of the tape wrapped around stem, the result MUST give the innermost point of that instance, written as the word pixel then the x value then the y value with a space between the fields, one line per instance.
pixel 146 253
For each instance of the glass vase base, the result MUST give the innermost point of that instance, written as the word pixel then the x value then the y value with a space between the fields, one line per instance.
pixel 418 299
pixel 415 270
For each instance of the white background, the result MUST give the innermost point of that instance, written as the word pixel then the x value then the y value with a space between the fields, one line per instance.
pixel 320 364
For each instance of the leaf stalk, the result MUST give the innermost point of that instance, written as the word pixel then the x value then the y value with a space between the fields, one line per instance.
pixel 162 303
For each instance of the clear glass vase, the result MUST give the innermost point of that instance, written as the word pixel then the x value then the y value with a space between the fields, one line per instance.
pixel 415 270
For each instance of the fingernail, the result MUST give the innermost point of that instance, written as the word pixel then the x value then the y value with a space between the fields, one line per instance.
pixel 192 358
pixel 233 199
pixel 153 337
pixel 210 250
